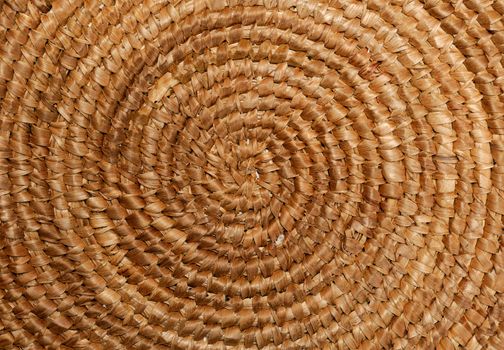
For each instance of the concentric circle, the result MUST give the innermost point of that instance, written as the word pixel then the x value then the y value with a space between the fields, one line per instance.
pixel 251 174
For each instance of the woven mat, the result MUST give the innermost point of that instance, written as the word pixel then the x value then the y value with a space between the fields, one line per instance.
pixel 259 174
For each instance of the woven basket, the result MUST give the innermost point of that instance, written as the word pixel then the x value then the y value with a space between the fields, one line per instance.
pixel 259 174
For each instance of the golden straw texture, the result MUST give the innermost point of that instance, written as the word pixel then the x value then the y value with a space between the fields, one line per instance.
pixel 251 174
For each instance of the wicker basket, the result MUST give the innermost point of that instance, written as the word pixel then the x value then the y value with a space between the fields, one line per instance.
pixel 251 174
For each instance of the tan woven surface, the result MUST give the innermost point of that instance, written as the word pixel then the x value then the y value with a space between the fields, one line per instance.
pixel 251 174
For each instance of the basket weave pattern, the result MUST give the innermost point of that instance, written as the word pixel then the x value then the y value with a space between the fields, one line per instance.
pixel 260 174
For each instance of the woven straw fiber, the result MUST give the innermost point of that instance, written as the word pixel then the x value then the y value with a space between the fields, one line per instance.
pixel 256 174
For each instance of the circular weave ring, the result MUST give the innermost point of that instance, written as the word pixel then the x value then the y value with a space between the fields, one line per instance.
pixel 251 174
